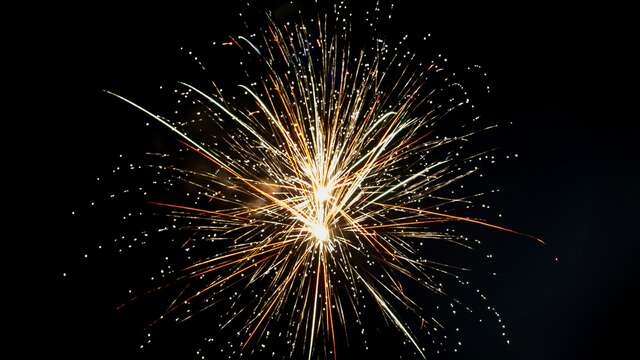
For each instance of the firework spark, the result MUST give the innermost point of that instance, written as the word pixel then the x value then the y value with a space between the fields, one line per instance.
pixel 322 183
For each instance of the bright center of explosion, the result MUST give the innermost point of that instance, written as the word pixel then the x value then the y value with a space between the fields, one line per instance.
pixel 322 194
pixel 320 232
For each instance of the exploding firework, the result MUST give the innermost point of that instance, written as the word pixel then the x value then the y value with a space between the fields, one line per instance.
pixel 322 179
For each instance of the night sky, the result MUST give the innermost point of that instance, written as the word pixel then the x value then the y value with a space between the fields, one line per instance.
pixel 554 74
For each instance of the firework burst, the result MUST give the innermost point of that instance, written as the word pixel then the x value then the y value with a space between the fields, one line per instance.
pixel 323 178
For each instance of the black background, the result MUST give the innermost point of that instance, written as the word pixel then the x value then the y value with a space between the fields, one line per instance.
pixel 556 71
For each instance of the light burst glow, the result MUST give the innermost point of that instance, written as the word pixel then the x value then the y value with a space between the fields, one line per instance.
pixel 320 232
pixel 324 177
pixel 322 194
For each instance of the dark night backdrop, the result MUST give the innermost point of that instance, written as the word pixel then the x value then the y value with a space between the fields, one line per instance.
pixel 555 74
